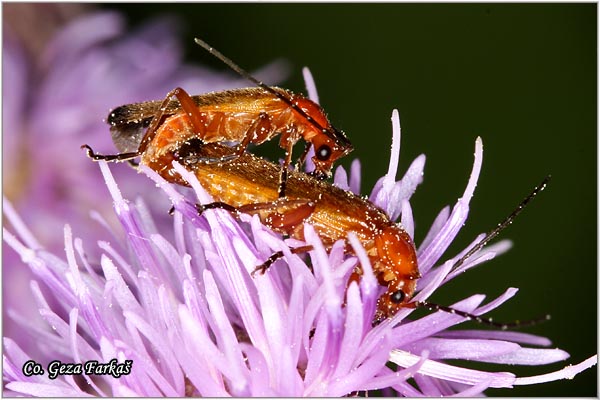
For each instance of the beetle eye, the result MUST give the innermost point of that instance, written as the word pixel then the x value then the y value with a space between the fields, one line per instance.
pixel 323 153
pixel 397 297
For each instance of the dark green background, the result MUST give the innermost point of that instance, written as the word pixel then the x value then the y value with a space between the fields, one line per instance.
pixel 521 76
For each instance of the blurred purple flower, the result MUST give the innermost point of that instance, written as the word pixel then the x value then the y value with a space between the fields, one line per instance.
pixel 59 101
pixel 51 109
pixel 195 323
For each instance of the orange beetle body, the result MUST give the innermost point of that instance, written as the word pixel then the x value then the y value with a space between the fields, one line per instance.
pixel 333 212
pixel 243 116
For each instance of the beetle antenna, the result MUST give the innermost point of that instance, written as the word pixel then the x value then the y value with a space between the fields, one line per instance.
pixel 491 235
pixel 336 136
pixel 481 320
pixel 502 225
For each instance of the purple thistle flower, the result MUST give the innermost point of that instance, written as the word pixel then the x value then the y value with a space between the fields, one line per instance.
pixel 193 321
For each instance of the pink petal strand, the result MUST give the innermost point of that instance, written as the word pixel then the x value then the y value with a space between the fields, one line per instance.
pixel 565 373
pixel 455 374
pixel 311 88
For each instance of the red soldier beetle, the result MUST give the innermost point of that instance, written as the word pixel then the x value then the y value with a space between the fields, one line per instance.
pixel 246 184
pixel 243 116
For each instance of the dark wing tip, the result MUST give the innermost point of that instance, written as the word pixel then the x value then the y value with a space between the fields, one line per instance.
pixel 136 114
pixel 119 115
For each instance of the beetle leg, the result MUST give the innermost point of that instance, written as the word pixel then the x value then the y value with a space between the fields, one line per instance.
pixel 109 157
pixel 186 103
pixel 258 132
pixel 217 204
pixel 283 214
pixel 262 268
pixel 284 169
pixel 200 208
pixel 302 158
pixel 190 108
